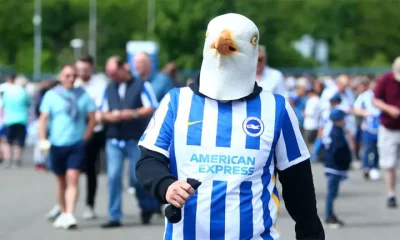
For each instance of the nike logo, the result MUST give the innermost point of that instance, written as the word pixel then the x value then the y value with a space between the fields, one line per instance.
pixel 192 123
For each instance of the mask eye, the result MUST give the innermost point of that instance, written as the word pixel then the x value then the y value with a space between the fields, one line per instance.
pixel 254 40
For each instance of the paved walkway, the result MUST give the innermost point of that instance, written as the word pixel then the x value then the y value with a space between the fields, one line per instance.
pixel 26 195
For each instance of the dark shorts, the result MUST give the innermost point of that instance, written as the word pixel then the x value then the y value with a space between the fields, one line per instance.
pixel 67 157
pixel 16 134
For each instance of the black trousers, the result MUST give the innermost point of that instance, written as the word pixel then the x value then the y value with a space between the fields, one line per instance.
pixel 92 151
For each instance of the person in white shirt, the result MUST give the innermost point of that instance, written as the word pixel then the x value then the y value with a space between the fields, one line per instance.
pixel 341 87
pixel 364 107
pixel 269 78
pixel 311 117
pixel 94 85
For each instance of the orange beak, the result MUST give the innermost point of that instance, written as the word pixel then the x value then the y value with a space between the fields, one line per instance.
pixel 224 44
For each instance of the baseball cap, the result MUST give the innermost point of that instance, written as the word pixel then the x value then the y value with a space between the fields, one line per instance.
pixel 337 114
pixel 336 98
pixel 396 68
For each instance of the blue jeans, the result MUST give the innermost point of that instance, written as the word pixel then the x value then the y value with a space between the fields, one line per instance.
pixel 115 165
pixel 333 189
pixel 370 148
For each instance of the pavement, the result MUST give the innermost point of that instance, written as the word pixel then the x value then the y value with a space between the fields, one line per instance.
pixel 26 195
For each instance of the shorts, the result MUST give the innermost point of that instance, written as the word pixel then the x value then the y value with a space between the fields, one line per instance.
pixel 67 157
pixel 388 147
pixel 16 134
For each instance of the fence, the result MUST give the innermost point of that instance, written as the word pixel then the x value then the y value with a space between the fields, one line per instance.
pixel 4 70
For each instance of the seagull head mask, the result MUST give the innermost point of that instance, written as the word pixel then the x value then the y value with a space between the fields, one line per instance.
pixel 228 70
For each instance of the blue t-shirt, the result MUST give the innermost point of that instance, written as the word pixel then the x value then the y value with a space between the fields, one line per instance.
pixel 16 102
pixel 63 129
pixel 161 84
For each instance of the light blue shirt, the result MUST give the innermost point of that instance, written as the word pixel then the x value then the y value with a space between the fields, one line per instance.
pixel 64 131
pixel 16 102
pixel 161 84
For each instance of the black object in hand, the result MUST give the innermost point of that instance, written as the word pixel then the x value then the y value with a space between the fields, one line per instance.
pixel 174 214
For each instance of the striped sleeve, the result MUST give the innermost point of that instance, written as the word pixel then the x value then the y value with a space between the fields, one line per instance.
pixel 158 135
pixel 148 97
pixel 290 148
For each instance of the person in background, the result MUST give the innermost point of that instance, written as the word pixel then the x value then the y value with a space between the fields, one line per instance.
pixel 171 70
pixel 324 124
pixel 67 120
pixel 160 82
pixel 38 158
pixel 364 108
pixel 318 87
pixel 16 102
pixel 360 86
pixel 129 104
pixel 269 78
pixel 311 117
pixel 301 99
pixel 95 86
pixel 337 162
pixel 387 99
pixel 3 138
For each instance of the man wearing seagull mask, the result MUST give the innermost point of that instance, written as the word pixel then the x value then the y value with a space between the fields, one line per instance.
pixel 234 138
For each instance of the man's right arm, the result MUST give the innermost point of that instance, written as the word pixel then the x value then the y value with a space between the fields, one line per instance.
pixel 153 173
pixel 45 109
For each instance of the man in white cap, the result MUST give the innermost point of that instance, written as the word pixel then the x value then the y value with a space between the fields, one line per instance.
pixel 233 137
pixel 387 99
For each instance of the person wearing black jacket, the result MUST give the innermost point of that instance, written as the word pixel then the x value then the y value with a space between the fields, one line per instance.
pixel 337 162
pixel 236 139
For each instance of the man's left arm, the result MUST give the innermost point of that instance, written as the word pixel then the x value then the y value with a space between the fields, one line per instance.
pixel 91 119
pixel 295 175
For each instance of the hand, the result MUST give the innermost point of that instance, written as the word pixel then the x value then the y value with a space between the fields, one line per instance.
pixel 115 116
pixel 178 193
pixel 98 116
pixel 44 146
pixel 87 136
pixel 127 114
pixel 366 114
pixel 393 111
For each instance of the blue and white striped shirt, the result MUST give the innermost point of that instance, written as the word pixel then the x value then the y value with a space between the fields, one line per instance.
pixel 234 149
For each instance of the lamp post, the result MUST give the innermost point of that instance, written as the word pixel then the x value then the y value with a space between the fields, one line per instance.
pixel 37 24
pixel 77 45
pixel 92 29
pixel 151 15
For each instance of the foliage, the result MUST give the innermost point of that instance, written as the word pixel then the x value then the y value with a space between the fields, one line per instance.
pixel 359 33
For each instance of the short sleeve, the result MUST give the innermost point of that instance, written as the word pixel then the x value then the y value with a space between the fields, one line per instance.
pixel 290 147
pixel 158 135
pixel 45 106
pixel 148 97
pixel 104 107
pixel 90 104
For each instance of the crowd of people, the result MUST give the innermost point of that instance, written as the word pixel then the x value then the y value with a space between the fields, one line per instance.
pixel 83 113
